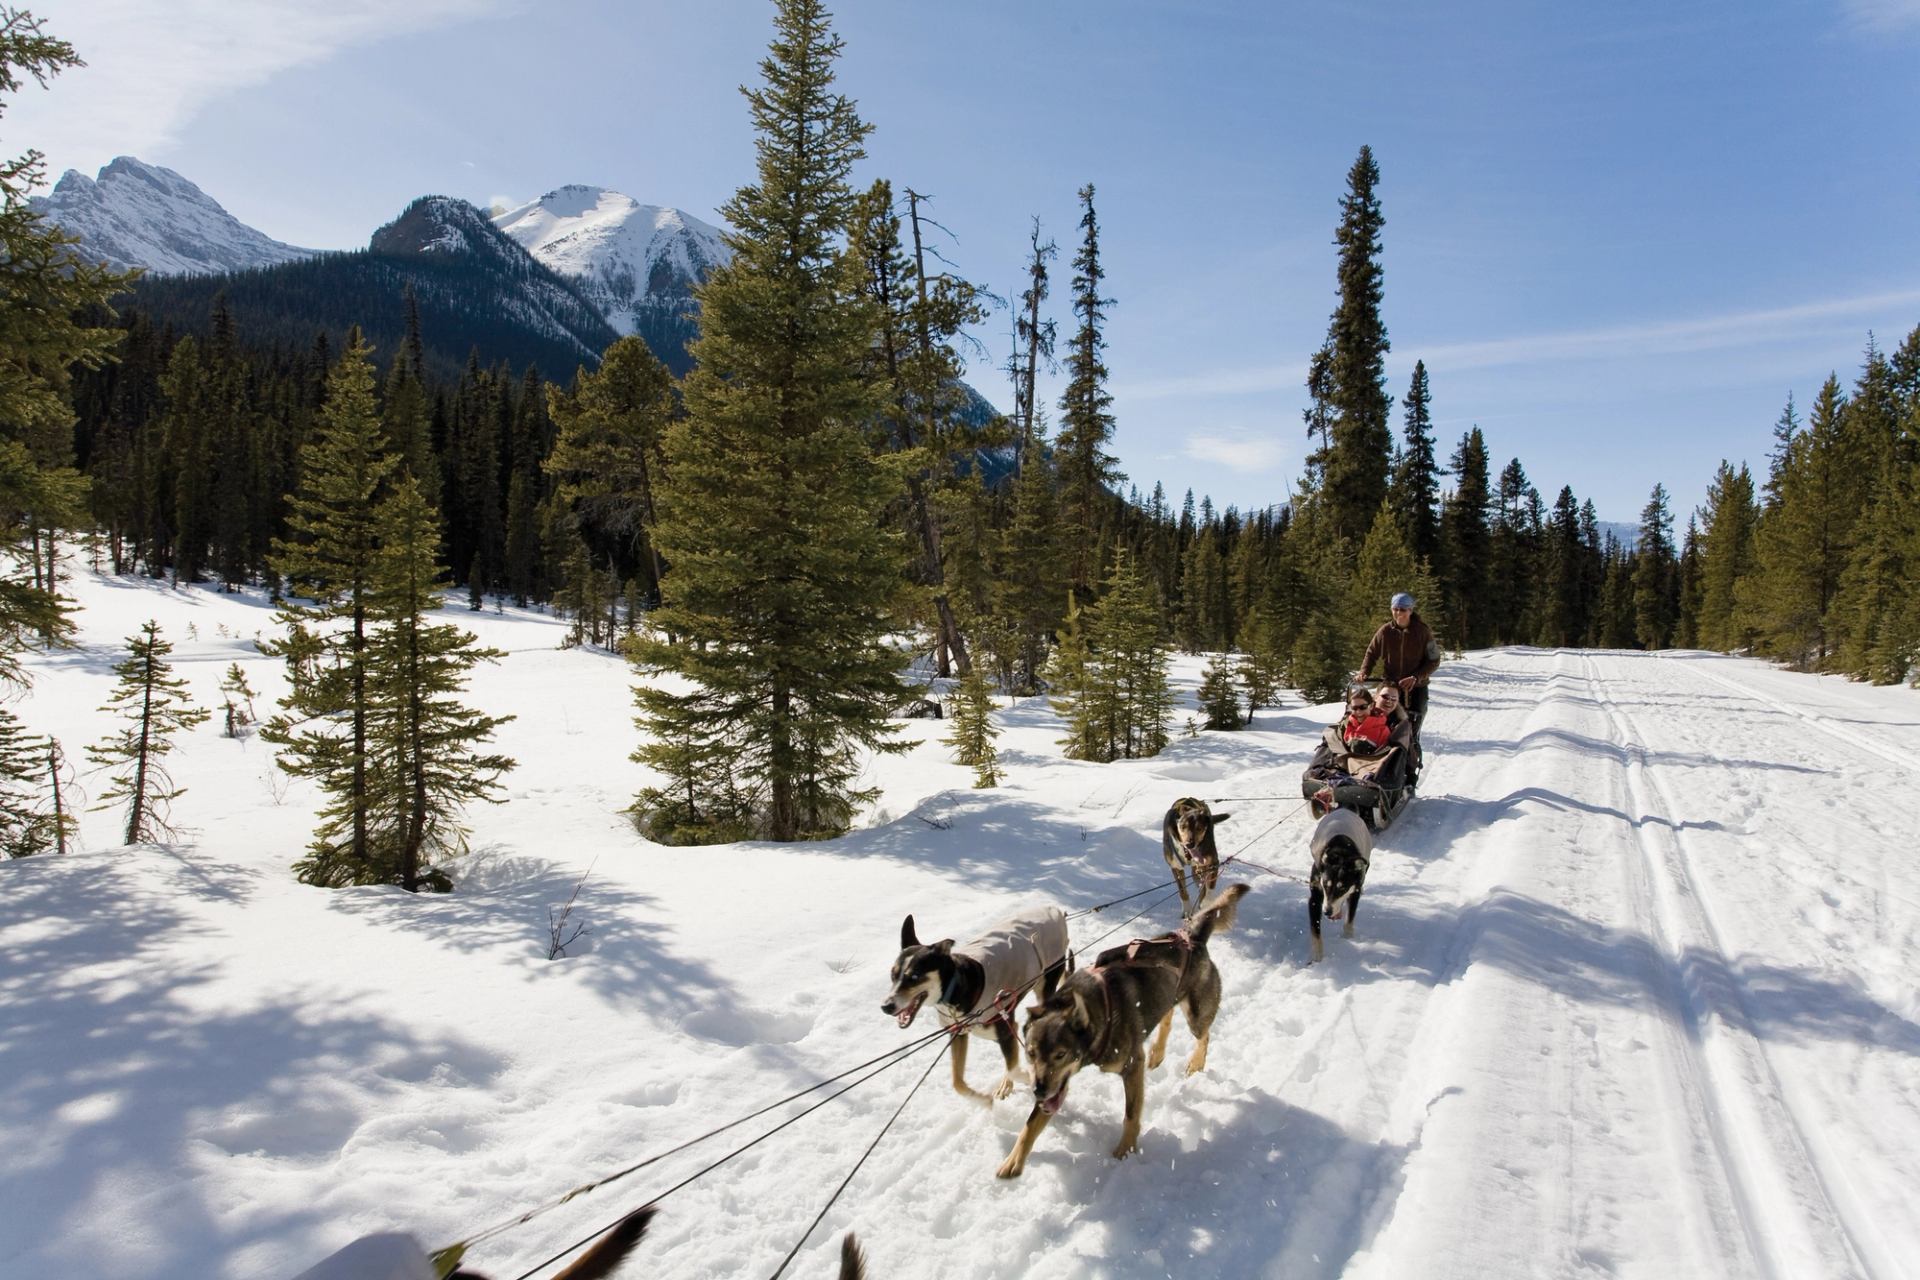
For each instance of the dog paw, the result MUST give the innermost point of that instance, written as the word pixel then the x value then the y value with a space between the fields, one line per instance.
pixel 1126 1148
pixel 1156 1056
pixel 1347 932
pixel 1011 1167
pixel 1004 1089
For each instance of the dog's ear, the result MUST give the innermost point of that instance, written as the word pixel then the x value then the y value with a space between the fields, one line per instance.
pixel 907 936
pixel 944 946
pixel 1078 1017
pixel 1219 818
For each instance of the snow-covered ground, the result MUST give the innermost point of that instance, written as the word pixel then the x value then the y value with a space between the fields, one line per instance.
pixel 1631 995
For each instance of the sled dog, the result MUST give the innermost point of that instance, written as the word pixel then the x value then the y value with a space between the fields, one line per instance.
pixel 1101 1017
pixel 1186 842
pixel 982 980
pixel 1342 846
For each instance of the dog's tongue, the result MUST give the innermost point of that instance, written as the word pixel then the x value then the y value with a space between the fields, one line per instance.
pixel 905 1016
pixel 1052 1104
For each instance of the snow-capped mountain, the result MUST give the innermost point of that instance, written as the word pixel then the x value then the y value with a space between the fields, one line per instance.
pixel 141 215
pixel 638 263
pixel 474 291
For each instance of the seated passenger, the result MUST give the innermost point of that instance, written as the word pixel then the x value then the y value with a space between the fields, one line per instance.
pixel 1365 728
pixel 1386 700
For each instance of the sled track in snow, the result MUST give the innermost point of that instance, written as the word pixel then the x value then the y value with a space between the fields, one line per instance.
pixel 1852 737
pixel 1791 1196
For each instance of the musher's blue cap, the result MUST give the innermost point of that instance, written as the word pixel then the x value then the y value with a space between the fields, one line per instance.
pixel 1402 601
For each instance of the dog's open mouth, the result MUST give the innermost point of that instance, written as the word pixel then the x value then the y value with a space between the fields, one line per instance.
pixel 1051 1105
pixel 905 1016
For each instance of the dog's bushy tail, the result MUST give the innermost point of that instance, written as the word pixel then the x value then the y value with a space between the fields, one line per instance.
pixel 606 1256
pixel 1219 913
pixel 853 1263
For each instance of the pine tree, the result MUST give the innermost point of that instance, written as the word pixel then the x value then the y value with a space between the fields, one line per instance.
pixel 1128 628
pixel 1798 553
pixel 1075 691
pixel 1416 480
pixel 1261 665
pixel 1219 695
pixel 1726 556
pixel 1033 582
pixel 917 372
pixel 423 743
pixel 1086 410
pixel 1360 440
pixel 784 580
pixel 1688 590
pixel 1561 621
pixel 25 827
pixel 607 459
pixel 1033 348
pixel 238 700
pixel 1654 587
pixel 1466 538
pixel 973 729
pixel 333 530
pixel 154 701
pixel 46 331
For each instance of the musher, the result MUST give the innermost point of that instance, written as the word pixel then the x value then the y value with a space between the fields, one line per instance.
pixel 1407 654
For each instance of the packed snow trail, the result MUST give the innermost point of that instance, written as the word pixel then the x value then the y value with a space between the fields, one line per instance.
pixel 1630 995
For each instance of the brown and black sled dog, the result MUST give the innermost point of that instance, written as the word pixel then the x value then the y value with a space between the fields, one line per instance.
pixel 1186 842
pixel 1101 1015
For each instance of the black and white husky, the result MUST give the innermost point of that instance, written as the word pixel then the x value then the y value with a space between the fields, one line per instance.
pixel 1342 847
pixel 976 986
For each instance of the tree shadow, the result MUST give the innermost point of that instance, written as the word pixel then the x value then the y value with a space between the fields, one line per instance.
pixel 1591 963
pixel 1266 1189
pixel 501 903
pixel 115 1083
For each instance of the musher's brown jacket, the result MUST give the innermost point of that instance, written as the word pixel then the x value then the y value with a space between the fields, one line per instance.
pixel 1402 652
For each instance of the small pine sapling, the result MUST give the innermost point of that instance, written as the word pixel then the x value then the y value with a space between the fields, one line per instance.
pixel 1218 696
pixel 154 702
pixel 24 828
pixel 238 700
pixel 973 729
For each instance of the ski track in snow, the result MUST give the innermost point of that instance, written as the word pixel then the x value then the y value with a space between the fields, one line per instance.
pixel 1630 995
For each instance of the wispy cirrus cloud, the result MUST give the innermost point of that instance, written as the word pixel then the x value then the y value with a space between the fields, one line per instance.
pixel 1731 331
pixel 1247 454
pixel 1884 15
pixel 153 65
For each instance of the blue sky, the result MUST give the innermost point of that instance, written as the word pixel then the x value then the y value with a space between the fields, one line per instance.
pixel 1619 235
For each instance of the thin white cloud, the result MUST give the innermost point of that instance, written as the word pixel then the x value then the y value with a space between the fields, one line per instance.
pixel 1738 330
pixel 1884 15
pixel 1249 454
pixel 152 65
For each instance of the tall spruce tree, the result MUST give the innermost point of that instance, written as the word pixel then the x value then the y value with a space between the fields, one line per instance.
pixel 1086 469
pixel 423 743
pixel 328 557
pixel 1360 442
pixel 1033 348
pixel 1561 619
pixel 49 326
pixel 1798 552
pixel 154 703
pixel 1655 575
pixel 1416 480
pixel 1726 556
pixel 607 459
pixel 784 580
pixel 918 372
pixel 1466 538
